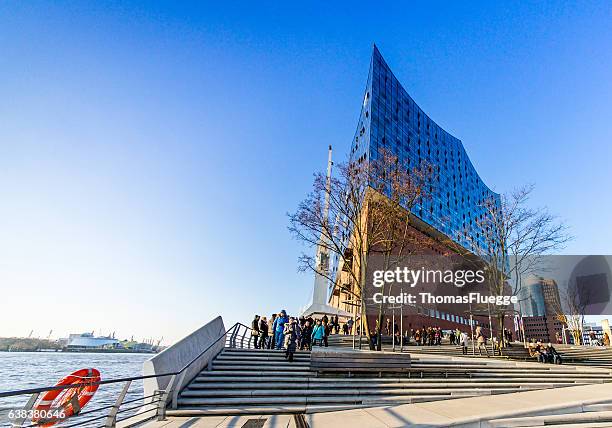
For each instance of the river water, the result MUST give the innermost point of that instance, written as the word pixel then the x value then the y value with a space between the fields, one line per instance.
pixel 21 370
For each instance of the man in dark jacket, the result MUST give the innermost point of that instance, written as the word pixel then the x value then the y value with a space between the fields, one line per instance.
pixel 306 337
pixel 255 332
pixel 263 333
pixel 553 356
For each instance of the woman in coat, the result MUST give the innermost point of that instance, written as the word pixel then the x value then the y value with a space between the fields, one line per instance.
pixel 318 333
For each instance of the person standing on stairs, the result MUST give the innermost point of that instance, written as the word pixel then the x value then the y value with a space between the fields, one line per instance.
pixel 480 341
pixel 291 338
pixel 292 326
pixel 350 323
pixel 463 341
pixel 263 333
pixel 326 332
pixel 279 327
pixel 272 326
pixel 318 332
pixel 255 332
pixel 306 336
pixel 387 329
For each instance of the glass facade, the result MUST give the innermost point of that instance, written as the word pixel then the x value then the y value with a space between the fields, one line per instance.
pixel 531 299
pixel 391 120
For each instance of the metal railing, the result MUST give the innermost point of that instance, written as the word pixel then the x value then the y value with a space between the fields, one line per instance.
pixel 108 415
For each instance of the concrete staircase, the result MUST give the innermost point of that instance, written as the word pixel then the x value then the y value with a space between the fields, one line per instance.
pixel 515 352
pixel 249 381
pixel 593 356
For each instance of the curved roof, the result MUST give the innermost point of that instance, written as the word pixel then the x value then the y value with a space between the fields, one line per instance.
pixel 390 118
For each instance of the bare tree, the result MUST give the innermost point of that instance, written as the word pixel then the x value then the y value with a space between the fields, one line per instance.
pixel 512 227
pixel 571 309
pixel 397 189
pixel 364 209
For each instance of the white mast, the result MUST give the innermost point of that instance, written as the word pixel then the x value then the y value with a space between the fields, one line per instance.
pixel 318 305
pixel 322 257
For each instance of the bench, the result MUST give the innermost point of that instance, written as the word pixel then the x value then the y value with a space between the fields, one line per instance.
pixel 353 362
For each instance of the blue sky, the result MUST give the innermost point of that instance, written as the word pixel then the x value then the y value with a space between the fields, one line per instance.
pixel 149 152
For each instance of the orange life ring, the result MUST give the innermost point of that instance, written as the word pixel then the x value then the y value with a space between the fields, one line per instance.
pixel 59 404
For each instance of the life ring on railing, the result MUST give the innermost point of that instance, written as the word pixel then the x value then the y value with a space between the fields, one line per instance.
pixel 59 404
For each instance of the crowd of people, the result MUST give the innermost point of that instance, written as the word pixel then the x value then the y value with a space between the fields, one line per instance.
pixel 426 336
pixel 291 333
pixel 281 331
pixel 544 354
pixel 595 341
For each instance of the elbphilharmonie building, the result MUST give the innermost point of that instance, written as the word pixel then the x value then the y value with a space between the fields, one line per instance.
pixel 392 121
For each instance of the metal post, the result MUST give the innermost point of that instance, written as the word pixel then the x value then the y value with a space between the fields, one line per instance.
pixel 490 329
pixel 232 340
pixel 177 389
pixel 242 341
pixel 402 324
pixel 111 419
pixel 163 399
pixel 472 332
pixel 354 325
pixel 19 421
pixel 393 331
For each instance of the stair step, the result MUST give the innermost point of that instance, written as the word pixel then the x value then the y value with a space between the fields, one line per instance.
pixel 314 399
pixel 365 385
pixel 260 410
pixel 260 358
pixel 275 368
pixel 220 377
pixel 238 351
pixel 370 381
pixel 281 372
pixel 260 363
pixel 353 392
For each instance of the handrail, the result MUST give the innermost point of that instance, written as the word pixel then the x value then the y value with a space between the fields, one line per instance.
pixel 208 347
pixel 159 398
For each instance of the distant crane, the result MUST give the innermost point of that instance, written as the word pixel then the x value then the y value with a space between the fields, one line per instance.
pixel 31 332
pixel 49 337
pixel 159 341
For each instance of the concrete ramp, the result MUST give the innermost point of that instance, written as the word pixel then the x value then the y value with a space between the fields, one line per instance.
pixel 580 406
